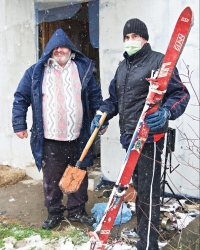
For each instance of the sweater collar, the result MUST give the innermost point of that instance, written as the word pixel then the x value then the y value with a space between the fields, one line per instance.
pixel 143 51
pixel 52 62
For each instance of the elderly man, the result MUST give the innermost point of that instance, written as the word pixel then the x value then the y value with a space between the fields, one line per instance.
pixel 62 91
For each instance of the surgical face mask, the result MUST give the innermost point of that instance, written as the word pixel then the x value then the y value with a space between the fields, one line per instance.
pixel 132 46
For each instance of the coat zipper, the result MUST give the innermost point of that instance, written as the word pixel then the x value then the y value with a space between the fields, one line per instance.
pixel 34 102
pixel 129 67
pixel 86 72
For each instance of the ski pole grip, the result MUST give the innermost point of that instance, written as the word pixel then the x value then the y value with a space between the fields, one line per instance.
pixel 92 137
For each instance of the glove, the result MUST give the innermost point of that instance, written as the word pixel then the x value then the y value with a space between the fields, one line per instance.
pixel 95 124
pixel 157 119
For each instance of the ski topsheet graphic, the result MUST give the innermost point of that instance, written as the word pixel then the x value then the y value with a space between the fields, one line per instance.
pixel 157 89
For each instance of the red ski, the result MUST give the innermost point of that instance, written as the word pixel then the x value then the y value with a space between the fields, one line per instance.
pixel 157 89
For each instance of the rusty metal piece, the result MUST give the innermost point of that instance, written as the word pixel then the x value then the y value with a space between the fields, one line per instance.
pixel 169 215
pixel 169 224
pixel 166 224
pixel 191 205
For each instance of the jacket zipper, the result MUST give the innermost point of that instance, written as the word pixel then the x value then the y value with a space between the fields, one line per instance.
pixel 129 67
pixel 34 102
pixel 86 72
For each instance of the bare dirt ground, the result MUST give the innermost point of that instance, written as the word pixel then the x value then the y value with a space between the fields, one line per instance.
pixel 21 200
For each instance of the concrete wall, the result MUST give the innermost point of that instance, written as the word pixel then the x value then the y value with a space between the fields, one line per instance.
pixel 18 52
pixel 160 17
pixel 18 47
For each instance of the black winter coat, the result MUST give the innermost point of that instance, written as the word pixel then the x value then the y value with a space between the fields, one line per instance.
pixel 129 88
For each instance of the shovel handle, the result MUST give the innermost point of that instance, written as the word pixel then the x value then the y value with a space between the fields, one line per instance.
pixel 91 140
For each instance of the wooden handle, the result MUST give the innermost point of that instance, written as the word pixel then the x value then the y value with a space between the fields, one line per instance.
pixel 92 137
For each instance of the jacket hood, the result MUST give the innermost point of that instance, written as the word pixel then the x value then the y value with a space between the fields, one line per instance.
pixel 58 39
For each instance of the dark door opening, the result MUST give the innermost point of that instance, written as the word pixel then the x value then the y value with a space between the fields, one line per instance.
pixel 77 28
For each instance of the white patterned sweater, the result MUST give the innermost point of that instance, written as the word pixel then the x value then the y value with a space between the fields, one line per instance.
pixel 61 101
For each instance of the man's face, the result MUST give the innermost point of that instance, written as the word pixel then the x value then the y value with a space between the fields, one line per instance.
pixel 61 55
pixel 134 37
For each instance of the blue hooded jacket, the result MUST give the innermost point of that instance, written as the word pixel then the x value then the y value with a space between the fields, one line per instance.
pixel 29 92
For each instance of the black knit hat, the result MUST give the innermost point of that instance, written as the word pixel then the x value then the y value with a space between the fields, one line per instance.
pixel 136 26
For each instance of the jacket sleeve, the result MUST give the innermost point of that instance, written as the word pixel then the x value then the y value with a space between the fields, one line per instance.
pixel 176 97
pixel 22 100
pixel 110 105
pixel 94 95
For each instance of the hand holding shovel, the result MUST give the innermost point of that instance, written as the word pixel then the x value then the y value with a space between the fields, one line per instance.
pixel 73 176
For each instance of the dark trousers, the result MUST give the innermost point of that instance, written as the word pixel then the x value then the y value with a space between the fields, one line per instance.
pixel 56 157
pixel 146 181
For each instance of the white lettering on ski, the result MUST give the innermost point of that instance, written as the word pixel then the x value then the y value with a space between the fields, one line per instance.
pixel 179 42
pixel 184 19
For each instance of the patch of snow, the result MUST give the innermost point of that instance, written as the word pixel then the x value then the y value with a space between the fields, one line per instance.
pixel 183 220
pixel 31 182
pixel 132 206
pixel 37 243
pixel 11 199
pixel 170 208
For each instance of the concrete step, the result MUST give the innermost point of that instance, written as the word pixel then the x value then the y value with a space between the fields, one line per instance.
pixel 93 179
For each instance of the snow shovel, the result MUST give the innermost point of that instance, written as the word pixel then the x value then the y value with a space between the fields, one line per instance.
pixel 73 176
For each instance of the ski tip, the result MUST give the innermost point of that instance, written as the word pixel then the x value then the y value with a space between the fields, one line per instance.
pixel 188 12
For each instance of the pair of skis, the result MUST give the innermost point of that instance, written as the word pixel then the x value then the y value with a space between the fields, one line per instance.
pixel 157 89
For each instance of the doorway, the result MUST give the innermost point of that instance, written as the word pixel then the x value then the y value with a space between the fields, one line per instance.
pixel 77 28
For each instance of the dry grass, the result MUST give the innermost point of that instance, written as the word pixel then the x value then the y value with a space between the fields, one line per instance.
pixel 10 176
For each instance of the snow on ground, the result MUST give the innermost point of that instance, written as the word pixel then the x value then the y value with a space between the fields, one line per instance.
pixel 36 243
